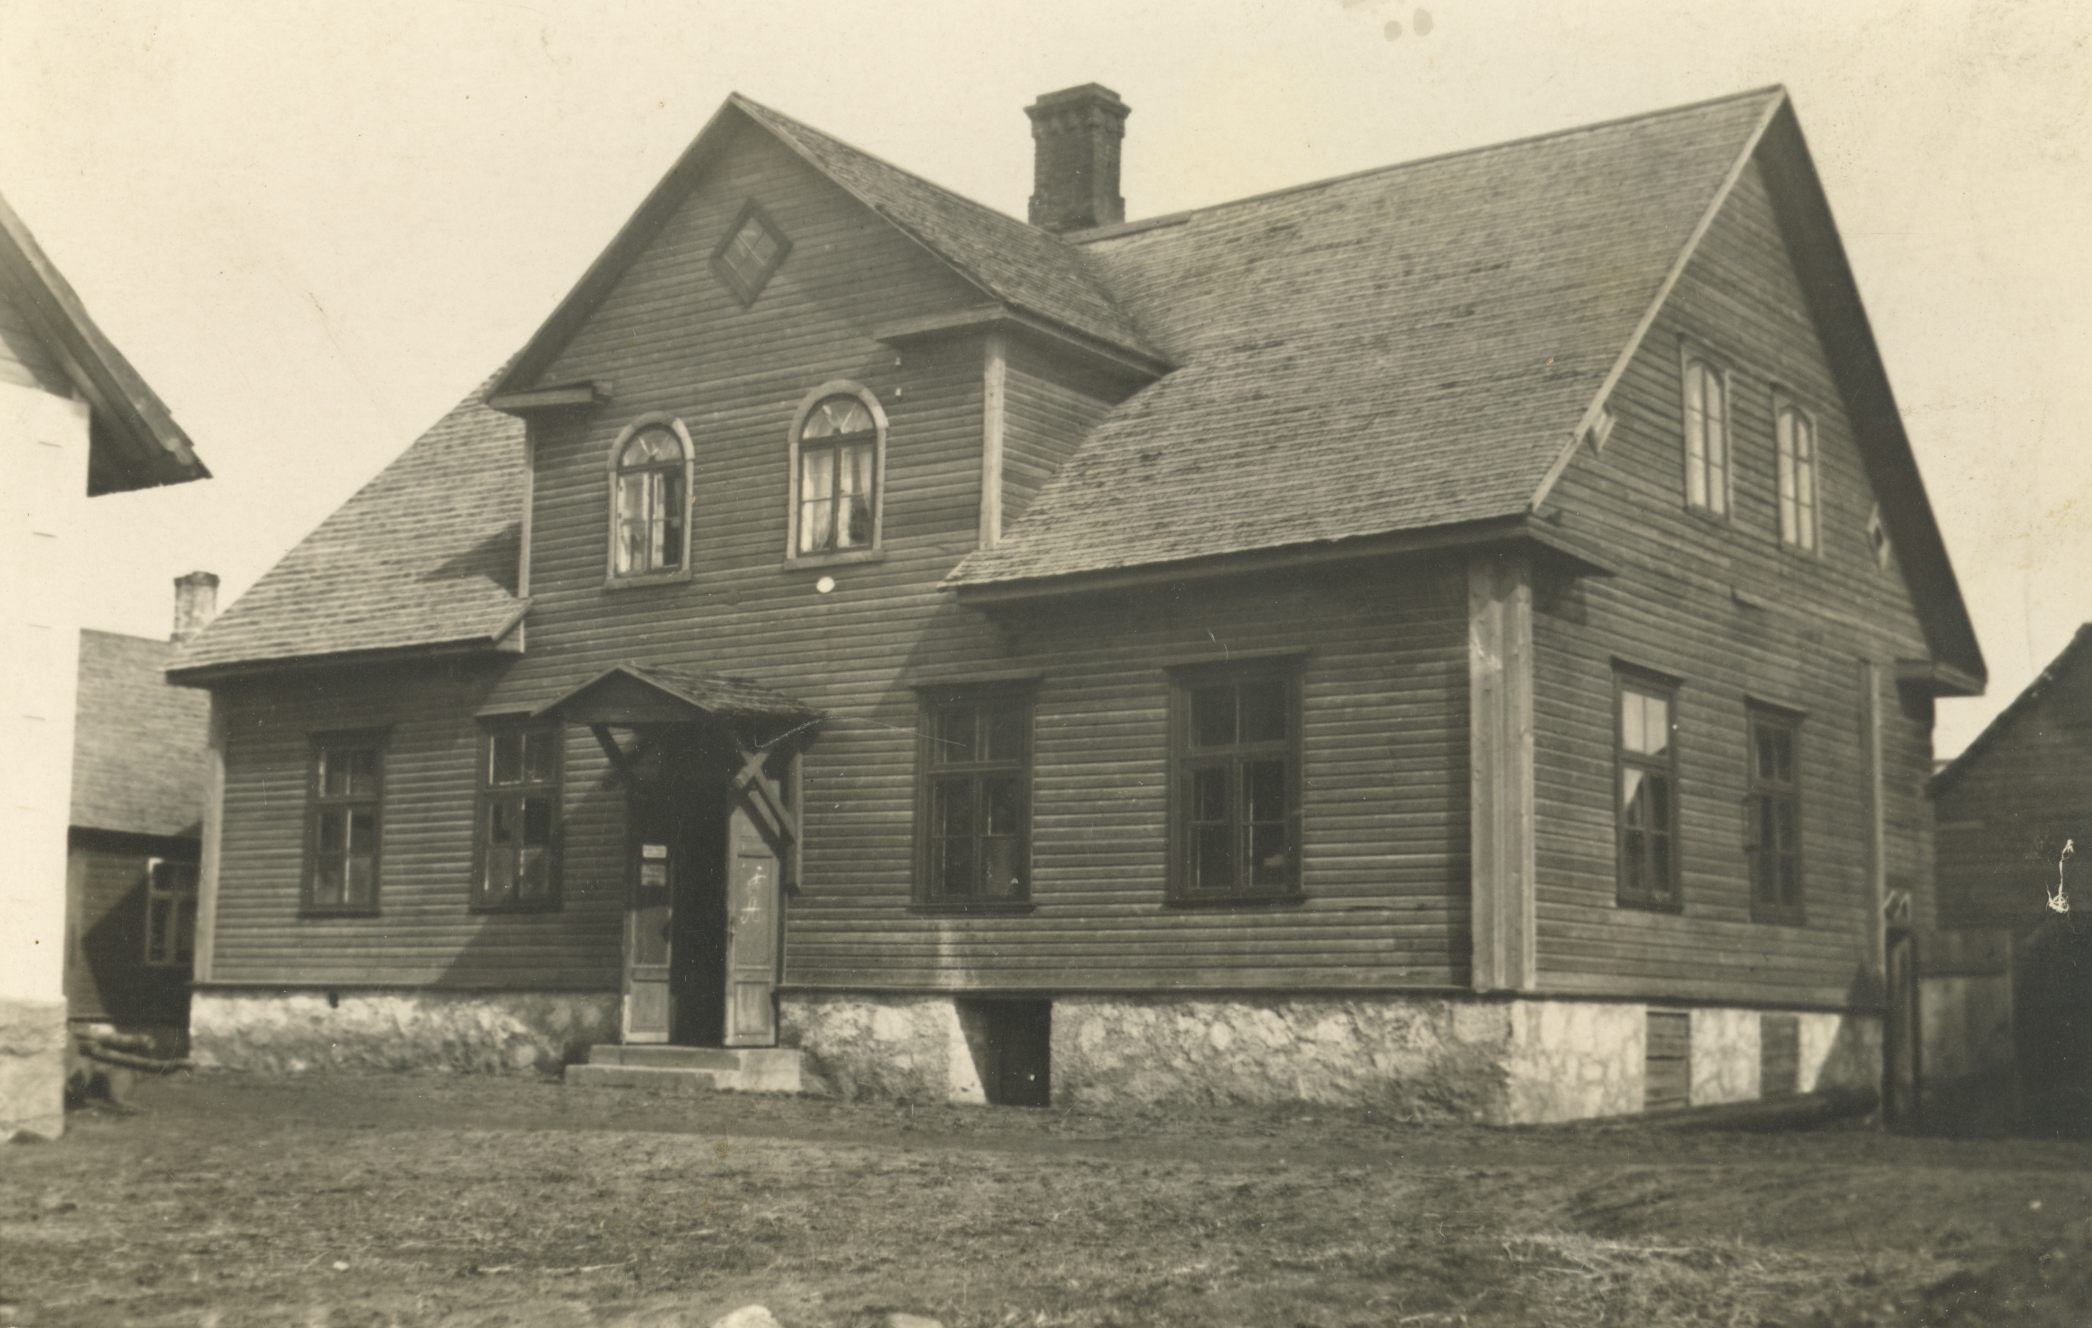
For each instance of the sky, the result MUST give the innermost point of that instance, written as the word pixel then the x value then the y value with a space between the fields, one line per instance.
pixel 315 227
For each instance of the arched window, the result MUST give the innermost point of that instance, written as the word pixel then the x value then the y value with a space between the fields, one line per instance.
pixel 837 454
pixel 650 498
pixel 1795 432
pixel 1706 436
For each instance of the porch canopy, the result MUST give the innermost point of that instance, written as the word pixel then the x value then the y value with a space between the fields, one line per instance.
pixel 629 695
pixel 767 727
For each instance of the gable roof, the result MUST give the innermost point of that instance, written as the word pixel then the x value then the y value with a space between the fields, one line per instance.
pixel 1407 348
pixel 138 743
pixel 1015 263
pixel 424 555
pixel 2068 660
pixel 134 441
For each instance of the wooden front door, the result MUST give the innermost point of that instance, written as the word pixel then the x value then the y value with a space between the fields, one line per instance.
pixel 675 920
pixel 649 920
pixel 753 900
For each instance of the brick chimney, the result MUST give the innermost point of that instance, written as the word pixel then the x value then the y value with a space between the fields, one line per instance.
pixel 1075 158
pixel 195 604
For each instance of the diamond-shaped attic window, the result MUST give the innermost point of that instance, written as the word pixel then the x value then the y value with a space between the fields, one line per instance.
pixel 751 253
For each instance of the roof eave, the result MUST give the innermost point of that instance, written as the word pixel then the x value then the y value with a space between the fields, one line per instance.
pixel 1505 532
pixel 502 639
pixel 1114 357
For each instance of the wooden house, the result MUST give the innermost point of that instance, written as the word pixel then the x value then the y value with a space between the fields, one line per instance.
pixel 137 829
pixel 76 421
pixel 1460 636
pixel 2007 977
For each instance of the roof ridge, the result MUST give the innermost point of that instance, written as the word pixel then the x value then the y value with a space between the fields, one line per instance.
pixel 127 636
pixel 1180 217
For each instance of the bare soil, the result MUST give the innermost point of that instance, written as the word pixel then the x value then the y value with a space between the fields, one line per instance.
pixel 343 1201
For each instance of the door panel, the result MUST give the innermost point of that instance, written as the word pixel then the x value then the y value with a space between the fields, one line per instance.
pixel 648 951
pixel 752 933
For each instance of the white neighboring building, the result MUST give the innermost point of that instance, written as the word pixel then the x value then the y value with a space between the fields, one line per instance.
pixel 76 421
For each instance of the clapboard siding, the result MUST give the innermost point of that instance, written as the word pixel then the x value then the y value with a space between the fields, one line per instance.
pixel 24 358
pixel 106 976
pixel 424 932
pixel 2008 808
pixel 1739 619
pixel 1050 404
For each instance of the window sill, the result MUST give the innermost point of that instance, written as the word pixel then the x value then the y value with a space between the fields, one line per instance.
pixel 311 911
pixel 958 908
pixel 1289 899
pixel 650 579
pixel 1710 516
pixel 1650 905
pixel 552 907
pixel 847 558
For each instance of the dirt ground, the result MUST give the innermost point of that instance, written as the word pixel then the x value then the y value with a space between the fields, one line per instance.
pixel 349 1201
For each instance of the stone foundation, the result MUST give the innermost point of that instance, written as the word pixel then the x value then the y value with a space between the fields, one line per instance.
pixel 1499 1060
pixel 479 1032
pixel 32 1068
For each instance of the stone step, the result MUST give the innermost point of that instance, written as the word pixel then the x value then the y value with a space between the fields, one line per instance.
pixel 691 1069
pixel 665 1057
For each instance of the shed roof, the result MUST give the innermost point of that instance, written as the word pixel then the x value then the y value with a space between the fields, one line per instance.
pixel 138 743
pixel 2067 661
pixel 423 555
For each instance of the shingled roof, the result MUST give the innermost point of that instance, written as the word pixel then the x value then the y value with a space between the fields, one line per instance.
pixel 423 555
pixel 138 743
pixel 1407 348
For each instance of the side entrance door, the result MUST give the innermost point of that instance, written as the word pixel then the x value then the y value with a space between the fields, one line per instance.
pixel 753 901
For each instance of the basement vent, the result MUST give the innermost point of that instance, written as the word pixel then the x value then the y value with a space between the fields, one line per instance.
pixel 1012 1043
pixel 1779 1055
pixel 1667 1076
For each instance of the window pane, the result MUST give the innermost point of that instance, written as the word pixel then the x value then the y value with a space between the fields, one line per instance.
pixel 184 930
pixel 952 735
pixel 631 497
pixel 363 829
pixel 1631 795
pixel 1269 856
pixel 854 522
pixel 1264 711
pixel 1213 857
pixel 1790 882
pixel 334 773
pixel 1656 794
pixel 1002 870
pixel 1634 853
pixel 537 821
pixel 657 520
pixel 362 880
pixel 330 834
pixel 501 822
pixel 501 871
pixel 327 881
pixel 1003 806
pixel 1209 793
pixel 157 929
pixel 955 868
pixel 541 755
pixel 1265 784
pixel 952 814
pixel 363 772
pixel 1634 736
pixel 816 526
pixel 1006 732
pixel 631 547
pixel 507 758
pixel 1659 869
pixel 534 880
pixel 1213 716
pixel 1656 725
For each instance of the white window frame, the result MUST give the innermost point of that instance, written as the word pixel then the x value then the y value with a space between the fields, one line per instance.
pixel 1784 406
pixel 681 570
pixel 1690 354
pixel 837 387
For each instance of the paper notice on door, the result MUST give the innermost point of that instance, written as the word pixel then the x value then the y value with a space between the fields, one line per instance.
pixel 651 851
pixel 653 873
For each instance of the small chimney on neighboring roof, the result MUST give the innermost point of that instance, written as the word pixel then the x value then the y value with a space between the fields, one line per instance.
pixel 1075 158
pixel 195 604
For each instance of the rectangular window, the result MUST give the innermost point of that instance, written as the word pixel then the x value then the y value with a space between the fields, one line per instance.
pixel 343 823
pixel 170 913
pixel 973 822
pixel 1795 432
pixel 518 836
pixel 1235 787
pixel 1706 435
pixel 1647 744
pixel 1772 833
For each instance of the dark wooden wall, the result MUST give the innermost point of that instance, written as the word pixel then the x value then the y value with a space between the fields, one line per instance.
pixel 1385 675
pixel 106 976
pixel 1739 618
pixel 1050 405
pixel 2005 815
